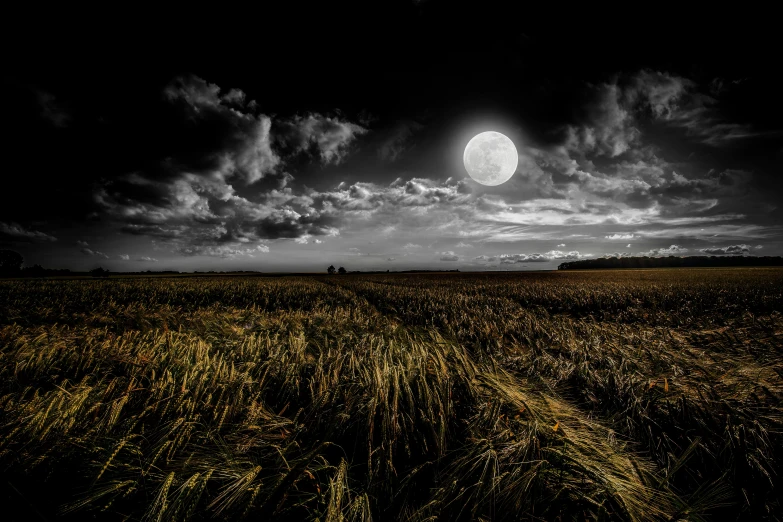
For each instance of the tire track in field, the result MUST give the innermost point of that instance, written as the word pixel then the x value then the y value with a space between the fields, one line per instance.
pixel 363 302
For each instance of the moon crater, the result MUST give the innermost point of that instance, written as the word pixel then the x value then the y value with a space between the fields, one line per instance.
pixel 490 158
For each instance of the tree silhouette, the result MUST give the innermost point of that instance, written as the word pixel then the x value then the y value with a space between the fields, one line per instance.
pixel 671 261
pixel 341 270
pixel 330 269
pixel 10 261
pixel 34 271
pixel 99 272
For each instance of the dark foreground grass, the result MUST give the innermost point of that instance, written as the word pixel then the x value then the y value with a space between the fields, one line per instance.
pixel 636 395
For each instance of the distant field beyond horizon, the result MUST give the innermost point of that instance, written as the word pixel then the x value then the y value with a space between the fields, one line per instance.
pixel 639 394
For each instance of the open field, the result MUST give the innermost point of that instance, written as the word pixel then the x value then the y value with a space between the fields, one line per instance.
pixel 601 395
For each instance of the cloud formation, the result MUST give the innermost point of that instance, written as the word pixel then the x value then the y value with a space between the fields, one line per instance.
pixel 732 250
pixel 398 140
pixel 609 124
pixel 240 190
pixel 16 232
pixel 191 198
pixel 510 259
pixel 90 252
pixel 672 250
pixel 329 137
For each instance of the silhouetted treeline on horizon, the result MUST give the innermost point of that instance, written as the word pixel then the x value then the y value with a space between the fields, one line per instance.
pixel 672 261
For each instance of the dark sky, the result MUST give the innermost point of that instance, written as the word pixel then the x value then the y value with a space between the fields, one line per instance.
pixel 232 137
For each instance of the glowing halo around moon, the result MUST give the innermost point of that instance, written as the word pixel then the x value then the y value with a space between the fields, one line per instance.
pixel 490 158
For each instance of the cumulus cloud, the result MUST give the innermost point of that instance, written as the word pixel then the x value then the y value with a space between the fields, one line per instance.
pixel 448 256
pixel 462 244
pixel 732 250
pixel 233 141
pixel 191 198
pixel 304 240
pixel 510 259
pixel 561 245
pixel 221 251
pixel 620 236
pixel 124 257
pixel 82 243
pixel 329 136
pixel 17 232
pixel 672 250
pixel 90 252
pixel 147 259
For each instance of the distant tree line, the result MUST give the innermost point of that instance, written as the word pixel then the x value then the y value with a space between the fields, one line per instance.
pixel 11 266
pixel 672 261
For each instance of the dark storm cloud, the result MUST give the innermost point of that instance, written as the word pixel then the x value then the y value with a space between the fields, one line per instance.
pixel 226 138
pixel 191 198
pixel 732 250
pixel 16 232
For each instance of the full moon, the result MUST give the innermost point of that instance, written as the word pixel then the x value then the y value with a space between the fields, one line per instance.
pixel 490 158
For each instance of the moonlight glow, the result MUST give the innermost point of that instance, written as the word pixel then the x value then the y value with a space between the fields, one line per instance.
pixel 490 158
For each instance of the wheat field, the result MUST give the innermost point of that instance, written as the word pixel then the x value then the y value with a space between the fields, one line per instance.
pixel 596 395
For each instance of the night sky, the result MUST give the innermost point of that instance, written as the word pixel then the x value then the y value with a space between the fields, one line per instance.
pixel 237 138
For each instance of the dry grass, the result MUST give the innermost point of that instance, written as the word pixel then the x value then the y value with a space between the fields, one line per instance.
pixel 636 395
